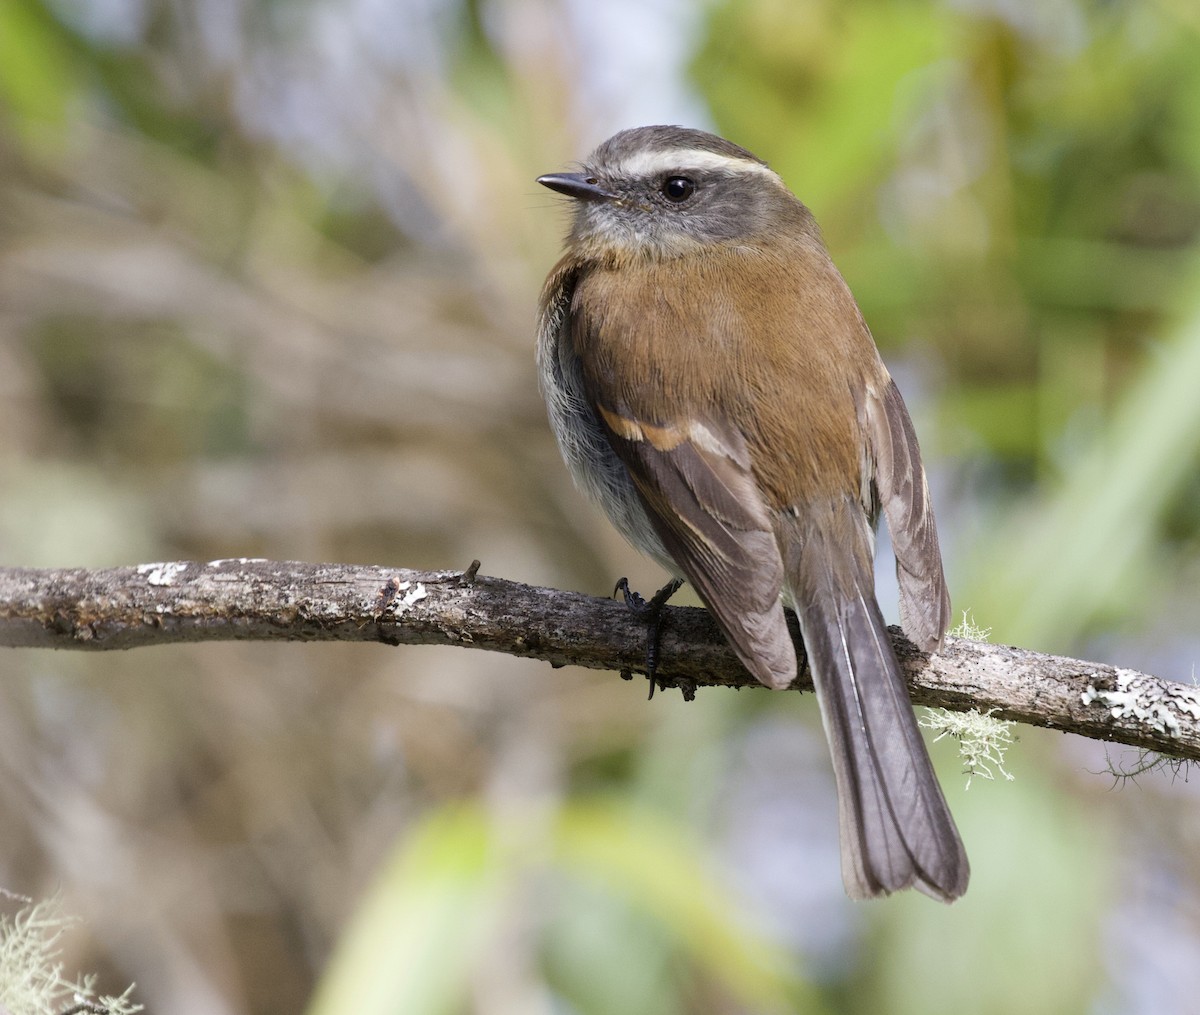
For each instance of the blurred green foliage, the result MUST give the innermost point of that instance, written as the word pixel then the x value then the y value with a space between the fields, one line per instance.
pixel 266 284
pixel 413 946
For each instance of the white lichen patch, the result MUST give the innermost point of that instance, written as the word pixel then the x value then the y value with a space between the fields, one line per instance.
pixel 163 572
pixel 406 594
pixel 983 740
pixel 236 560
pixel 414 594
pixel 1149 700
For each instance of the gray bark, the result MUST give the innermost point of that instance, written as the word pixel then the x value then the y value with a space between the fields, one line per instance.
pixel 158 604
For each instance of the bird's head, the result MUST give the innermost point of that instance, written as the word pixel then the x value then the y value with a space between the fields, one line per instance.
pixel 662 192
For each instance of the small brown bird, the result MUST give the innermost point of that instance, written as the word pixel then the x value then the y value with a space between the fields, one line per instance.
pixel 712 383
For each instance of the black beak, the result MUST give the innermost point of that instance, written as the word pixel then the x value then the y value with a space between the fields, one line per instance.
pixel 576 185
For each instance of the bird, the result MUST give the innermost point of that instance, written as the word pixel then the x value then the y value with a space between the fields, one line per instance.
pixel 713 385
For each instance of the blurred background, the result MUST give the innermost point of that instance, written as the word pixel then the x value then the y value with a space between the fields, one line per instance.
pixel 268 271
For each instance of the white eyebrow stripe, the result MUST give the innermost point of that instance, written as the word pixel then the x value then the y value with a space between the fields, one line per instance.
pixel 654 163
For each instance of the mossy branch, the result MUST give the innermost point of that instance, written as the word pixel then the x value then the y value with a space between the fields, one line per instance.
pixel 163 603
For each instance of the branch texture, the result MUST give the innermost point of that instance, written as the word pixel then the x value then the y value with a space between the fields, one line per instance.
pixel 157 604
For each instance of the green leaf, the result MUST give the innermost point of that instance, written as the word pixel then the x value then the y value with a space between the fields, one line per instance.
pixel 657 868
pixel 37 79
pixel 413 941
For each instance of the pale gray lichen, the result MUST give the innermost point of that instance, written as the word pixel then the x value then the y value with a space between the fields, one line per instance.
pixel 32 980
pixel 1149 700
pixel 971 630
pixel 983 740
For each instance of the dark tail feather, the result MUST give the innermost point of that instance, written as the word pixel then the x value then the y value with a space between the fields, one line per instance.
pixel 896 829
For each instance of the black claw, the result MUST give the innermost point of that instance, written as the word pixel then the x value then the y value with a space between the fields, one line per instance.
pixel 652 613
pixel 635 602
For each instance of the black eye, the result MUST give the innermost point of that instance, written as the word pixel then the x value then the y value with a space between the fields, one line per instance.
pixel 678 188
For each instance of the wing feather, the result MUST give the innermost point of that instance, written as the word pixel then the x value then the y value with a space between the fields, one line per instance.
pixel 701 498
pixel 904 497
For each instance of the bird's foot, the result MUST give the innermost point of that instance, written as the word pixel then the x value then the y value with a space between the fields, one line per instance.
pixel 652 613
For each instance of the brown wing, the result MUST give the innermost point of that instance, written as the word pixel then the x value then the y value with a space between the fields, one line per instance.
pixel 696 485
pixel 904 497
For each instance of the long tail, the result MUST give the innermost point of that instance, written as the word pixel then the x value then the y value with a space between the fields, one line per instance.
pixel 896 830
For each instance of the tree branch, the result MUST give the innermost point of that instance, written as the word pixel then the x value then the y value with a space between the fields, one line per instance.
pixel 158 604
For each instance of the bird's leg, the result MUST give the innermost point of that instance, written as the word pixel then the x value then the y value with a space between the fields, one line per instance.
pixel 652 613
